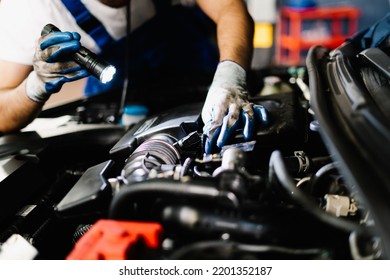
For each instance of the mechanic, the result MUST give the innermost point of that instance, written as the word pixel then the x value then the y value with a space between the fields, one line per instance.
pixel 31 72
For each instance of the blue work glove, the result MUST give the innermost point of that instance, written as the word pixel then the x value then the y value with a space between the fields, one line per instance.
pixel 53 65
pixel 374 36
pixel 227 108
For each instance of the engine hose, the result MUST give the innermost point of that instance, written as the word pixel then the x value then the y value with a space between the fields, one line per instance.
pixel 121 206
pixel 302 164
pixel 278 169
pixel 202 222
pixel 186 166
pixel 150 154
pixel 80 231
pixel 315 185
pixel 229 249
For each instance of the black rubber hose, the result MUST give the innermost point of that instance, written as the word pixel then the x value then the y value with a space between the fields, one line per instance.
pixel 230 249
pixel 317 178
pixel 121 206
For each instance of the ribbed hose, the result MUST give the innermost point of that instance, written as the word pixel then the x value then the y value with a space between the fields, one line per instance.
pixel 80 231
pixel 122 204
pixel 150 154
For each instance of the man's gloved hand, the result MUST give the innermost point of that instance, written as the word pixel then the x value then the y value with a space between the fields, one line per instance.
pixel 53 65
pixel 227 108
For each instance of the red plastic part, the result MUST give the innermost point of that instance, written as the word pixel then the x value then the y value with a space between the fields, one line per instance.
pixel 111 240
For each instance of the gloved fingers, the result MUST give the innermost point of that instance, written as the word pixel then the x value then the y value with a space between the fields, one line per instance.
pixel 213 120
pixel 248 120
pixel 76 36
pixel 58 46
pixel 261 114
pixel 211 128
pixel 76 71
pixel 55 38
pixel 211 140
pixel 229 124
pixel 54 85
pixel 60 51
pixel 77 75
pixel 233 114
pixel 54 75
pixel 251 124
pixel 49 70
pixel 227 130
pixel 247 108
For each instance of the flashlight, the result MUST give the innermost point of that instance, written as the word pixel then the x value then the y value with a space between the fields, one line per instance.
pixel 94 64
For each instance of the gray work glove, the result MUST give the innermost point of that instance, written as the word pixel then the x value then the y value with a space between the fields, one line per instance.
pixel 53 65
pixel 227 108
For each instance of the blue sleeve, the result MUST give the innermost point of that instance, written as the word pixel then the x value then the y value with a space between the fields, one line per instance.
pixel 373 36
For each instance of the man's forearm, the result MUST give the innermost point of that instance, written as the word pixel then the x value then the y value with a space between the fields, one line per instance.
pixel 234 29
pixel 235 35
pixel 17 110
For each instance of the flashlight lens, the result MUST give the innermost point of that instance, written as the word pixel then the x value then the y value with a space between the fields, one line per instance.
pixel 107 74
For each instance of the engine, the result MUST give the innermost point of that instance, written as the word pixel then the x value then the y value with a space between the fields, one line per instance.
pixel 280 196
pixel 154 194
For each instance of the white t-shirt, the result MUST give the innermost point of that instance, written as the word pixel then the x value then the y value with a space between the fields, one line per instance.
pixel 21 23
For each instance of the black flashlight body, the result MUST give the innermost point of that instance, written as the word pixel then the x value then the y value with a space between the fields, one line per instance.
pixel 91 61
pixel 94 64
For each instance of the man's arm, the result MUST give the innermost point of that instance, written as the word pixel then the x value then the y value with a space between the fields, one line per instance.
pixel 227 108
pixel 17 110
pixel 234 29
pixel 24 89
